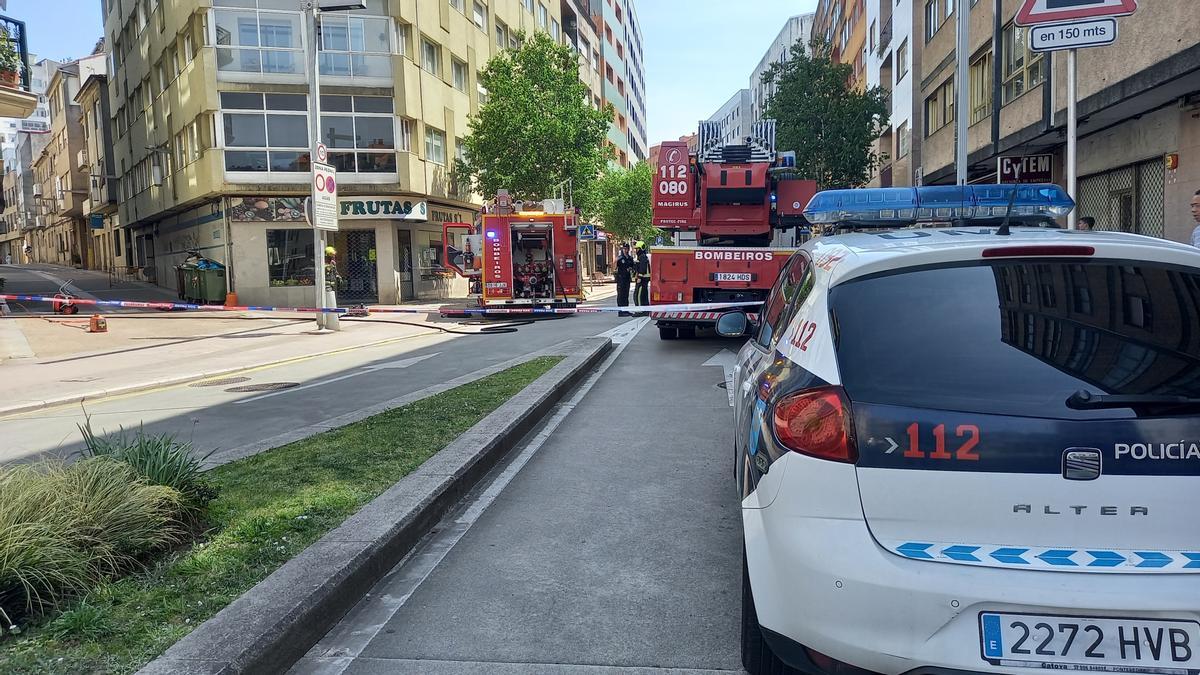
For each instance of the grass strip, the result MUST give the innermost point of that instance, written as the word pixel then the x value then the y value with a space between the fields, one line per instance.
pixel 270 507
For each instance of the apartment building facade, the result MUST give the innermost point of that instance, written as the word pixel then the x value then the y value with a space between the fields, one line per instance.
pixel 107 242
pixel 624 77
pixel 32 134
pixel 733 118
pixel 59 234
pixel 210 133
pixel 796 30
pixel 842 24
pixel 1139 110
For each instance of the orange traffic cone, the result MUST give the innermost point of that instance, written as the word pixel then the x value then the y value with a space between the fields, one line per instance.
pixel 97 324
pixel 231 299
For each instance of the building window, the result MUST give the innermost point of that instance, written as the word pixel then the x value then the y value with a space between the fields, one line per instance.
pixel 458 70
pixel 939 108
pixel 435 146
pixel 189 50
pixel 431 57
pixel 290 258
pixel 528 5
pixel 555 30
pixel 360 132
pixel 1023 69
pixel 902 61
pixel 903 140
pixel 543 16
pixel 479 15
pixel 482 92
pixel 357 46
pixel 933 19
pixel 263 132
pixel 981 87
pixel 501 35
pixel 458 4
pixel 253 41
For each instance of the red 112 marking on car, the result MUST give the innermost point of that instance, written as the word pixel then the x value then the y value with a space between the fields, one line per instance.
pixel 969 433
pixel 804 335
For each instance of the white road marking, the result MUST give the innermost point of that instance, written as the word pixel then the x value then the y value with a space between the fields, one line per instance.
pixel 402 363
pixel 727 361
pixel 378 611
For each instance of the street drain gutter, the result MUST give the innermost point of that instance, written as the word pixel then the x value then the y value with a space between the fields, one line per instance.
pixel 276 622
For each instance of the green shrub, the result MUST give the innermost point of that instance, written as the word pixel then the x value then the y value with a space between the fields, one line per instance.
pixel 66 527
pixel 161 460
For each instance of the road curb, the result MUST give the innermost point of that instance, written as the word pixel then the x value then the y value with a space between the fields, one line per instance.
pixel 276 622
pixel 99 394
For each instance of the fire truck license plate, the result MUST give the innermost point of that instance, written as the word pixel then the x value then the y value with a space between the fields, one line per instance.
pixel 733 276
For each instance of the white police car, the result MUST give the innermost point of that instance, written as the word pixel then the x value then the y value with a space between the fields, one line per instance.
pixel 965 451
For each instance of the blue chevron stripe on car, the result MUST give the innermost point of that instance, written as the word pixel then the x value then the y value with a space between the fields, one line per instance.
pixel 1095 560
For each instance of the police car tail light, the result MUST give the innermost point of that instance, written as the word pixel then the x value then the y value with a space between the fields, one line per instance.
pixel 816 423
pixel 896 207
pixel 1027 251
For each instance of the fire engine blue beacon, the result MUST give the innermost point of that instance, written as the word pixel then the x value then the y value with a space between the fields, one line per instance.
pixel 937 203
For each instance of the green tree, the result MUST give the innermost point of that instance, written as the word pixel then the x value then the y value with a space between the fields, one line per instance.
pixel 831 125
pixel 621 200
pixel 537 128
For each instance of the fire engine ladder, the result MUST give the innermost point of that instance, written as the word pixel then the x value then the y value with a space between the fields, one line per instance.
pixel 758 147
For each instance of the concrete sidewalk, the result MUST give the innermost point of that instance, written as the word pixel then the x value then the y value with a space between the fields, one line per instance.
pixel 232 343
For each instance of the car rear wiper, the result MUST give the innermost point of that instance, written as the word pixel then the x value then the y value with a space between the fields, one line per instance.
pixel 1086 400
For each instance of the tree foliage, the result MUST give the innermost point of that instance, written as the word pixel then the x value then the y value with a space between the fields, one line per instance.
pixel 536 129
pixel 621 199
pixel 831 125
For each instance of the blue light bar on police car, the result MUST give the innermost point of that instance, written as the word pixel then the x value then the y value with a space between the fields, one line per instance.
pixel 937 203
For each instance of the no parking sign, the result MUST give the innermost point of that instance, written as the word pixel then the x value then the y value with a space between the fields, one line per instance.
pixel 324 208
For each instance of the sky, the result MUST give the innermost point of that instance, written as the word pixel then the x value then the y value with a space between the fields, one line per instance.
pixel 59 29
pixel 699 52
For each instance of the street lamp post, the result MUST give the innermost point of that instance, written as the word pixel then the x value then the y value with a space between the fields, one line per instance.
pixel 324 319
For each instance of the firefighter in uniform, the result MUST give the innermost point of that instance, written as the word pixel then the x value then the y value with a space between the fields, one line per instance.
pixel 641 292
pixel 625 268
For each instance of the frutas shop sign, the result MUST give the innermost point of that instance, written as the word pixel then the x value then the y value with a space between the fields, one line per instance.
pixel 382 207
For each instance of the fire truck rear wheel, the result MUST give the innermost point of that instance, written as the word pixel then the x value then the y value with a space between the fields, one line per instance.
pixel 667 332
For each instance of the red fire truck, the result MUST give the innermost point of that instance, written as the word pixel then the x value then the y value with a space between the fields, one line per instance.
pixel 724 204
pixel 520 254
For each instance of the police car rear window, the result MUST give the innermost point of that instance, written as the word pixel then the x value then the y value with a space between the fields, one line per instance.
pixel 1019 337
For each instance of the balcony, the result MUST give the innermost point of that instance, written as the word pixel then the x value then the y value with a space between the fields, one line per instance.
pixel 15 99
pixel 885 38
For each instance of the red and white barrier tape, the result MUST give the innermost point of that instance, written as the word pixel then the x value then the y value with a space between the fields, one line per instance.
pixel 170 306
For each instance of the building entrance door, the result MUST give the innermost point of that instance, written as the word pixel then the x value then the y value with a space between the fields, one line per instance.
pixel 358 265
pixel 404 271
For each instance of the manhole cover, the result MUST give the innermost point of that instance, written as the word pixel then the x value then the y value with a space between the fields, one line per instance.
pixel 219 382
pixel 265 386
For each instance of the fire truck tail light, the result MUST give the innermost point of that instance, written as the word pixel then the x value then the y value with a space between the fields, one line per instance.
pixel 817 423
pixel 656 297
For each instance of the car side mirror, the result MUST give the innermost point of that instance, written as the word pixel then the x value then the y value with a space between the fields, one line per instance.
pixel 733 324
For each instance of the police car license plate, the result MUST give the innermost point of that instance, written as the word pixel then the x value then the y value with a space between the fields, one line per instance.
pixel 734 276
pixel 1090 644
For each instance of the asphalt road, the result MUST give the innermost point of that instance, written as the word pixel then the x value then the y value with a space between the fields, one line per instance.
pixel 213 418
pixel 609 542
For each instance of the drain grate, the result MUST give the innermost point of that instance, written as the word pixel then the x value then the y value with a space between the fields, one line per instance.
pixel 265 386
pixel 219 382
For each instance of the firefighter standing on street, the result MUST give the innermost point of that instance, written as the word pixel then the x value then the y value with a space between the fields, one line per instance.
pixel 625 268
pixel 641 293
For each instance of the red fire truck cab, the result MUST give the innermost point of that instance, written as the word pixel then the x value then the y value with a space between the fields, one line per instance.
pixel 725 204
pixel 521 254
